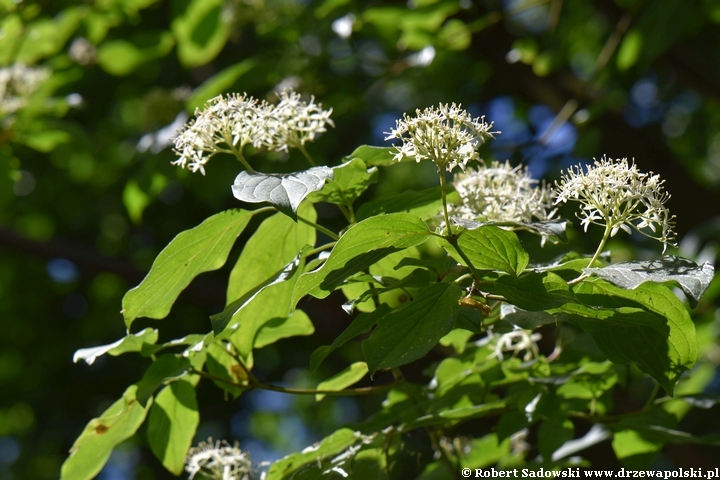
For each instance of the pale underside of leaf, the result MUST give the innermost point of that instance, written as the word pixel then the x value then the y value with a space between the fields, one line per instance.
pixel 693 279
pixel 284 191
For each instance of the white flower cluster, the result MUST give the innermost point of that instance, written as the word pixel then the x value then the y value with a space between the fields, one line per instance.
pixel 517 341
pixel 219 461
pixel 17 83
pixel 228 123
pixel 615 195
pixel 501 193
pixel 448 136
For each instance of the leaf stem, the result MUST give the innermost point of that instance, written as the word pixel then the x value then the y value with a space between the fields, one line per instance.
pixel 320 228
pixel 319 249
pixel 254 384
pixel 444 202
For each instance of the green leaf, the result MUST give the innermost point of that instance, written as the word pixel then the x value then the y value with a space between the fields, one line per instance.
pixel 352 374
pixel 445 417
pixel 418 278
pixel 362 245
pixel 330 445
pixel 297 324
pixel 523 318
pixel 172 422
pixel 406 335
pixel 424 203
pixel 361 324
pixel 349 181
pixel 549 228
pixel 553 433
pixel 630 48
pixel 221 320
pixel 633 450
pixel 457 338
pixel 274 244
pixel 490 248
pixel 693 279
pixel 284 191
pixel 373 156
pixel 200 249
pixel 648 326
pixel 134 342
pixel 101 435
pixel 221 364
pixel 200 31
pixel 535 291
pixel 120 57
pixel 165 369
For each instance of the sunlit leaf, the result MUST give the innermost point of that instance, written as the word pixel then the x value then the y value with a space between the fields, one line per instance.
pixel 330 445
pixel 172 422
pixel 272 247
pixel 201 249
pixel 131 343
pixel 349 181
pixel 95 444
pixel 352 374
pixel 490 248
pixel 362 245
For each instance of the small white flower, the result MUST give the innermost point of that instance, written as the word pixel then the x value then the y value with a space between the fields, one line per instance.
pixel 219 461
pixel 293 122
pixel 615 195
pixel 517 341
pixel 501 193
pixel 17 83
pixel 448 136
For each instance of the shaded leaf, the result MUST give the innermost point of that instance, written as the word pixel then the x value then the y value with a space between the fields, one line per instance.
pixel 296 324
pixel 418 278
pixel 362 245
pixel 101 435
pixel 406 335
pixel 363 323
pixel 553 433
pixel 172 422
pixel 685 273
pixel 423 203
pixel 647 325
pixel 549 228
pixel 224 366
pixel 200 249
pixel 349 181
pixel 163 370
pixel 535 291
pixel 134 342
pixel 523 318
pixel 352 374
pixel 284 191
